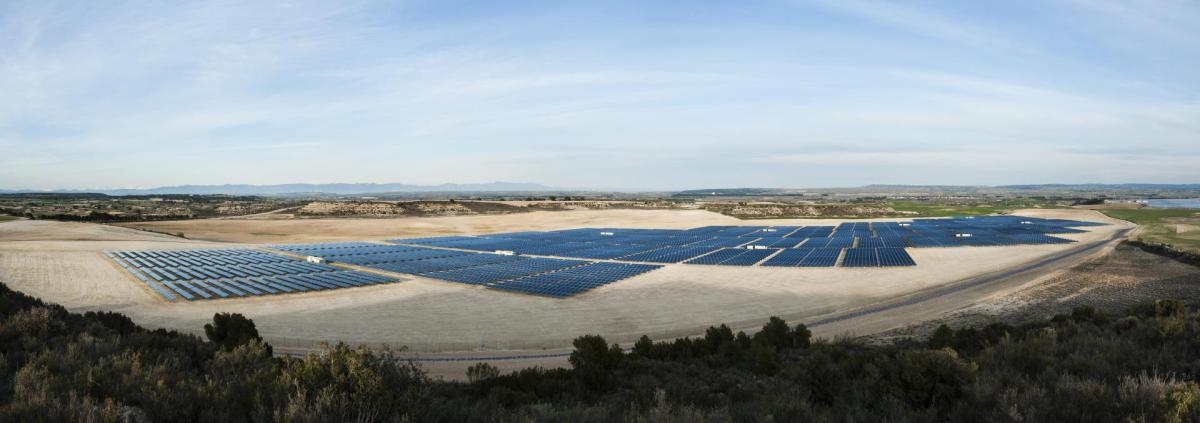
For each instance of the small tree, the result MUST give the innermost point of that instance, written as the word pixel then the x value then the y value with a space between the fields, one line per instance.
pixel 229 331
pixel 777 333
pixel 593 360
pixel 481 371
pixel 801 336
pixel 644 347
pixel 717 337
pixel 764 354
pixel 743 340
pixel 943 337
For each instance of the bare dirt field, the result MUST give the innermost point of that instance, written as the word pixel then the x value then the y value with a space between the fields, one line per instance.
pixel 283 230
pixel 63 263
pixel 329 230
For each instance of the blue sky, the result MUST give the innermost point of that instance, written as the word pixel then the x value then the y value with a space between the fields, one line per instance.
pixel 632 95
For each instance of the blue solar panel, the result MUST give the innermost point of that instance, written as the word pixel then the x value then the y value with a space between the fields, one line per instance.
pixel 890 257
pixel 821 257
pixel 788 258
pixel 734 257
pixel 487 274
pixel 749 257
pixel 670 254
pixel 718 256
pixel 575 280
pixel 861 257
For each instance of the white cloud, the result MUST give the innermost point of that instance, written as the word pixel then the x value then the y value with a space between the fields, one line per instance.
pixel 220 92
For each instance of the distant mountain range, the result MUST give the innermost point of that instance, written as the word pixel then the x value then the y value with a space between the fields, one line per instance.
pixel 1105 186
pixel 519 187
pixel 1182 189
pixel 289 189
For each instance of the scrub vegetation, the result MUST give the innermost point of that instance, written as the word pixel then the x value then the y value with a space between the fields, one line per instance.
pixel 1083 366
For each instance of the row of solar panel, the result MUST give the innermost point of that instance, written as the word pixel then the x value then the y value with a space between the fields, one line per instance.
pixel 682 236
pixel 491 273
pixel 223 252
pixel 241 271
pixel 561 277
pixel 805 257
pixel 206 261
pixel 405 254
pixel 234 280
pixel 543 276
pixel 402 259
pixel 317 250
pixel 985 240
pixel 677 254
pixel 270 285
pixel 328 248
pixel 875 257
pixel 691 255
pixel 734 257
pixel 571 281
pixel 935 232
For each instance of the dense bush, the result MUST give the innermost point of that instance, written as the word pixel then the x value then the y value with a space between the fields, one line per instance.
pixel 1086 366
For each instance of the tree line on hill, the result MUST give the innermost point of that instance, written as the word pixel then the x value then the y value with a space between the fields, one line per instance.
pixel 1085 366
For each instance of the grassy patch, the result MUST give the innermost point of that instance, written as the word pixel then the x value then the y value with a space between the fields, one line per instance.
pixel 967 208
pixel 5 218
pixel 1161 226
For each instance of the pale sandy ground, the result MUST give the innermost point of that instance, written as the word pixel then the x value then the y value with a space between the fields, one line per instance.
pixel 266 231
pixel 326 230
pixel 63 263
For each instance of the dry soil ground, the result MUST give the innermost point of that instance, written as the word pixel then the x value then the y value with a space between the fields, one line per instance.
pixel 63 263
pixel 1111 282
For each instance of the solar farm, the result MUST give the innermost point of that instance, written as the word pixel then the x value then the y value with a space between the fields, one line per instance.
pixel 569 262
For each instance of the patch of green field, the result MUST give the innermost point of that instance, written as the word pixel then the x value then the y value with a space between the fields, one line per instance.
pixel 5 218
pixel 973 208
pixel 1161 226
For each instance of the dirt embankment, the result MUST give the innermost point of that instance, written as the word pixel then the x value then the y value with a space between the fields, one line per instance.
pixel 780 210
pixel 606 205
pixel 1166 251
pixel 1126 277
pixel 464 208
pixel 404 208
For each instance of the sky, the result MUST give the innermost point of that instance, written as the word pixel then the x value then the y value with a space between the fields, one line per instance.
pixel 613 94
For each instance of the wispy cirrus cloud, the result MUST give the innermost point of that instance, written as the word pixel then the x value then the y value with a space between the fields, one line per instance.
pixel 624 94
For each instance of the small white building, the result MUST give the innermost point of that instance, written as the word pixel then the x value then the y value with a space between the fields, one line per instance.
pixel 315 259
pixel 506 252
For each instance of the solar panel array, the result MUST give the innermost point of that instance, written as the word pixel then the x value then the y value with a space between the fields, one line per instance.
pixel 235 272
pixel 735 256
pixel 554 277
pixel 568 262
pixel 568 282
pixel 850 244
